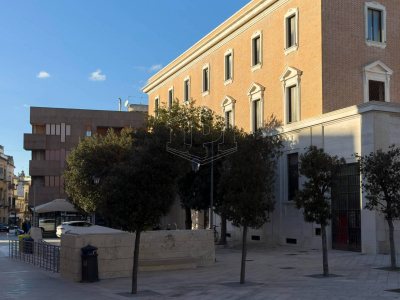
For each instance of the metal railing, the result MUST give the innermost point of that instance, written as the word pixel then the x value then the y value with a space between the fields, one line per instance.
pixel 41 254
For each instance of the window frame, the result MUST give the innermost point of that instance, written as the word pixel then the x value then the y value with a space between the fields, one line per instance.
pixel 293 12
pixel 228 105
pixel 377 71
pixel 186 101
pixel 170 92
pixel 256 93
pixel 288 183
pixel 205 68
pixel 379 7
pixel 227 53
pixel 291 77
pixel 156 105
pixel 255 67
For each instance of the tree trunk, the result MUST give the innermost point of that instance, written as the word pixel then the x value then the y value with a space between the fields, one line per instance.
pixel 244 253
pixel 188 218
pixel 392 246
pixel 324 252
pixel 205 219
pixel 223 230
pixel 135 263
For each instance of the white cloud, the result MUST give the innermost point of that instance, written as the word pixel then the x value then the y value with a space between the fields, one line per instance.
pixel 153 68
pixel 43 74
pixel 96 76
pixel 27 105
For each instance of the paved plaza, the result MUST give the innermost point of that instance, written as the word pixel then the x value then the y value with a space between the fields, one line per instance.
pixel 273 272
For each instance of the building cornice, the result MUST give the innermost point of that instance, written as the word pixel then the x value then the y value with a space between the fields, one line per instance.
pixel 341 115
pixel 198 49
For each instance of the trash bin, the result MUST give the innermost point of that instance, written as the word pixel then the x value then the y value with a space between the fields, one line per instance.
pixel 28 245
pixel 20 237
pixel 89 264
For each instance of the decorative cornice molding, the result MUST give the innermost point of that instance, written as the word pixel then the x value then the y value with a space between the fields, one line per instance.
pixel 239 25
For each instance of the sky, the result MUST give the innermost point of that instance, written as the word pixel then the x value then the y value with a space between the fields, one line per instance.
pixel 87 54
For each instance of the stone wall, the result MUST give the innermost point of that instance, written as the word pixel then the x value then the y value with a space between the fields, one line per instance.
pixel 115 250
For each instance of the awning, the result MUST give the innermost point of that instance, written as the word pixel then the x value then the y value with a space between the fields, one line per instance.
pixel 56 205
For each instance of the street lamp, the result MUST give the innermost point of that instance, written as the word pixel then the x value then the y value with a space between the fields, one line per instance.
pixel 195 168
pixel 96 179
pixel 35 184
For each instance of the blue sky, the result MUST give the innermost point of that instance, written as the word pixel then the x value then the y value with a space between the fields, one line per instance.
pixel 87 54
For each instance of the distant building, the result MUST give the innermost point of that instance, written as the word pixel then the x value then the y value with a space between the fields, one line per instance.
pixel 21 195
pixel 7 199
pixel 139 107
pixel 55 131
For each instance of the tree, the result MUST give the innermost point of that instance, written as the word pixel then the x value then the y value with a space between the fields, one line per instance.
pixel 137 187
pixel 320 170
pixel 202 125
pixel 381 174
pixel 247 184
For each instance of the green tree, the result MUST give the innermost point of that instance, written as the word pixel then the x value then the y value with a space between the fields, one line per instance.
pixel 381 182
pixel 200 125
pixel 137 187
pixel 247 184
pixel 320 170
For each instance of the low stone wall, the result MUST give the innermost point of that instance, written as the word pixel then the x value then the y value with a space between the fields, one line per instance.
pixel 115 250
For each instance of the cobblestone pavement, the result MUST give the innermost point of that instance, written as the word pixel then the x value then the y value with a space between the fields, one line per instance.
pixel 272 272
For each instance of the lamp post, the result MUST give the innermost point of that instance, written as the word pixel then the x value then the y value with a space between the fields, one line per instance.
pixel 34 201
pixel 195 168
pixel 212 187
pixel 96 180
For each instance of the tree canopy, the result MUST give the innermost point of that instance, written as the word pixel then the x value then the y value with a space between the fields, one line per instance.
pixel 381 182
pixel 246 186
pixel 314 198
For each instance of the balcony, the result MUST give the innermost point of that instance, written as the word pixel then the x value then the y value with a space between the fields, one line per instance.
pixel 34 141
pixel 44 168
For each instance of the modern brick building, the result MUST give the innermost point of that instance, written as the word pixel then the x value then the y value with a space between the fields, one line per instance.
pixel 329 70
pixel 55 131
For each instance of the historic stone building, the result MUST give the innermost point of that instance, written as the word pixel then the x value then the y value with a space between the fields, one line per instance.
pixel 329 70
pixel 7 199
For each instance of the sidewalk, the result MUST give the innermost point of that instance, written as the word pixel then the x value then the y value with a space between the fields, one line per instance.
pixel 273 272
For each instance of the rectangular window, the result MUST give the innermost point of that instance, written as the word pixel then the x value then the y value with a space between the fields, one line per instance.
pixel 186 91
pixel 205 80
pixel 256 50
pixel 376 91
pixel 256 115
pixel 375 25
pixel 293 111
pixel 228 67
pixel 228 118
pixel 88 130
pixel 156 105
pixel 53 129
pixel 170 97
pixel 68 130
pixel 293 175
pixel 291 31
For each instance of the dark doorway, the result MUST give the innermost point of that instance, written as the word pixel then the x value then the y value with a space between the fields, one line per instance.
pixel 346 208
